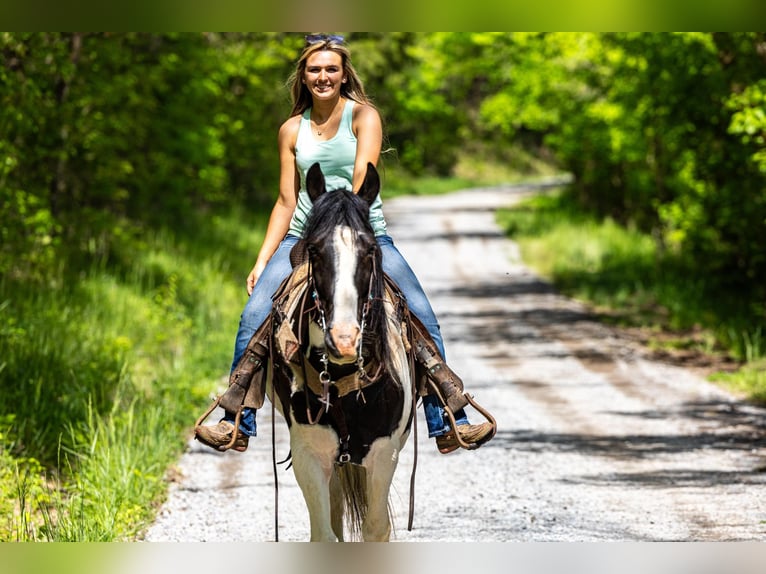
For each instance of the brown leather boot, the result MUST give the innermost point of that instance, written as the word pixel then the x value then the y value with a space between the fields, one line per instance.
pixel 219 436
pixel 450 390
pixel 428 356
pixel 247 382
pixel 247 388
pixel 471 434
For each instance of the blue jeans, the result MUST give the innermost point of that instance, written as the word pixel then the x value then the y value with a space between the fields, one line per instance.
pixel 258 307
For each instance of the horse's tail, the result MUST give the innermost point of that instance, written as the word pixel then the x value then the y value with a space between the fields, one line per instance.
pixel 352 479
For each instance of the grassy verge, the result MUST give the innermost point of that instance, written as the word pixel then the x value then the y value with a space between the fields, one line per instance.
pixel 102 372
pixel 624 276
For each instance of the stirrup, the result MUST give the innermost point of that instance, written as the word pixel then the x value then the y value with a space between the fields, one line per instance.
pixel 451 416
pixel 237 419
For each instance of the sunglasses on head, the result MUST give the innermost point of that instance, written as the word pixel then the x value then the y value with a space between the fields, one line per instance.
pixel 317 38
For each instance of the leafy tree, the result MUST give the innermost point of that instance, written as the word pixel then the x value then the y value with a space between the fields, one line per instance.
pixel 107 134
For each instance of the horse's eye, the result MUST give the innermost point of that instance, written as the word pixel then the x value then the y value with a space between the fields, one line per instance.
pixel 312 250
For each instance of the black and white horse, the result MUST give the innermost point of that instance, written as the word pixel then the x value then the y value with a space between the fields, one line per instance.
pixel 341 371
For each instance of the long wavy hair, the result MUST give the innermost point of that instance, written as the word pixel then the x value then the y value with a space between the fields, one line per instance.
pixel 352 88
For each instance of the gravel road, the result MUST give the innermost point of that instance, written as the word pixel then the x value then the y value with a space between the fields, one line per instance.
pixel 597 441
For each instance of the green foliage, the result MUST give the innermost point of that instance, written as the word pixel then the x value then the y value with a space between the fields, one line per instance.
pixel 403 73
pixel 653 144
pixel 748 120
pixel 101 377
pixel 664 133
pixel 23 489
pixel 106 135
pixel 111 134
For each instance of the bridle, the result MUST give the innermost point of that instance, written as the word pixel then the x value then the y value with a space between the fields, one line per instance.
pixel 362 377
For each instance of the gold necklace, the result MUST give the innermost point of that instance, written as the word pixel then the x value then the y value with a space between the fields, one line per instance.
pixel 320 131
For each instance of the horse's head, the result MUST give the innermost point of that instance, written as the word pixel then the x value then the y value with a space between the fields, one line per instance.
pixel 345 258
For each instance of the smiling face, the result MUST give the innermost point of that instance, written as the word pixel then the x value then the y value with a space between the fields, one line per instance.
pixel 324 75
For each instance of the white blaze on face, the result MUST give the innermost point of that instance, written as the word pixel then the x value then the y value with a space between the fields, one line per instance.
pixel 345 327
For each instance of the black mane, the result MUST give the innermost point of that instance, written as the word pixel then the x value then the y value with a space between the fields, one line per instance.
pixel 341 207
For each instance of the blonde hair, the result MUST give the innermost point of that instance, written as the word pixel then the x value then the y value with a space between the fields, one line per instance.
pixel 352 88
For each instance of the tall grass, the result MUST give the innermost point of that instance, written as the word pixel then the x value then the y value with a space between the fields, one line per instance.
pixel 623 273
pixel 102 371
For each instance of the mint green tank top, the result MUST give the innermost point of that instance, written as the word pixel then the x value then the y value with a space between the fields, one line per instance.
pixel 336 158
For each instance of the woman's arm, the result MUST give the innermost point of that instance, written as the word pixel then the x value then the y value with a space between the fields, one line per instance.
pixel 368 129
pixel 282 213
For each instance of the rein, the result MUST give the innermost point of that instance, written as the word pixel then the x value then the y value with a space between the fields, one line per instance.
pixel 274 462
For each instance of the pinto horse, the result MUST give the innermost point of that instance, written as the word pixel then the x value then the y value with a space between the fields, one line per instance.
pixel 340 367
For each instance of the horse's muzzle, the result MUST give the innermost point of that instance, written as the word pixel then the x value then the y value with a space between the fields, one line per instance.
pixel 343 340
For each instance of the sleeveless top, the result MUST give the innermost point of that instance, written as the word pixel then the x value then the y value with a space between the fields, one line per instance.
pixel 336 158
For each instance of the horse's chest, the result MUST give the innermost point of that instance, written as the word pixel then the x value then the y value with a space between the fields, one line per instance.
pixel 357 419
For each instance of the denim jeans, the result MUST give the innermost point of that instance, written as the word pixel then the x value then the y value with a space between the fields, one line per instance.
pixel 277 270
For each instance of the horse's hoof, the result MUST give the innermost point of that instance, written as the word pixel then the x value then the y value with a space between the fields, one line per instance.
pixel 219 436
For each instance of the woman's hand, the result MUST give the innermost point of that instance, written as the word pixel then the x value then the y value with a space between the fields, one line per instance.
pixel 253 277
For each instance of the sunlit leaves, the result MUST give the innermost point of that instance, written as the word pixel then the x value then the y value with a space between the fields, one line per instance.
pixel 748 120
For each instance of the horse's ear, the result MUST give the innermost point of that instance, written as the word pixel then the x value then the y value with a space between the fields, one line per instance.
pixel 315 182
pixel 370 186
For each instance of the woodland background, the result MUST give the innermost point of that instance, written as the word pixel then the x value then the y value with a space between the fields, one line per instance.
pixel 137 171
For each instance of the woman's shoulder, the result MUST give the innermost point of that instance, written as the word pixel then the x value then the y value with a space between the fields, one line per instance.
pixel 288 131
pixel 364 114
pixel 291 123
pixel 364 110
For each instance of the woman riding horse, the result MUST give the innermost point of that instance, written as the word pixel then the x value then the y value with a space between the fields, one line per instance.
pixel 334 124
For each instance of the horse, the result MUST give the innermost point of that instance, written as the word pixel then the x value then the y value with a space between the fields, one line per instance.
pixel 340 371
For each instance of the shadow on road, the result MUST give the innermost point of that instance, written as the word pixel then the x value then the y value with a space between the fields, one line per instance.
pixel 739 427
pixel 676 478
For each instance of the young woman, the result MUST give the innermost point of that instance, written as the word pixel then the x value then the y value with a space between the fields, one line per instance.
pixel 332 122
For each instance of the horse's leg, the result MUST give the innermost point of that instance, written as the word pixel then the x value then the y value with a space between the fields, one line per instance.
pixel 314 450
pixel 381 464
pixel 336 506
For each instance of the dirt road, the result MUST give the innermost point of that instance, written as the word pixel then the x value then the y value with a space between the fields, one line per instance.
pixel 597 441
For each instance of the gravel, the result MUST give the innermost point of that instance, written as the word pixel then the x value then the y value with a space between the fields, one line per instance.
pixel 597 441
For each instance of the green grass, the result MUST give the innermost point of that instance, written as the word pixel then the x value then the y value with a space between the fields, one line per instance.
pixel 749 381
pixel 102 373
pixel 623 275
pixel 594 260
